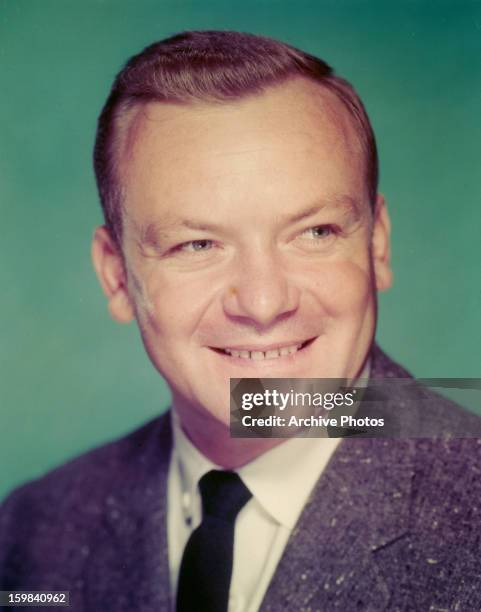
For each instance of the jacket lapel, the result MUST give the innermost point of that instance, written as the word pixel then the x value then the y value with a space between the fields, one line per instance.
pixel 129 569
pixel 359 506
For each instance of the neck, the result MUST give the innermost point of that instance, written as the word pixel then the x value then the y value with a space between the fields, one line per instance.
pixel 212 438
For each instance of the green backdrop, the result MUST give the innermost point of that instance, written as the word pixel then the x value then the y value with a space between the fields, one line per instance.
pixel 69 377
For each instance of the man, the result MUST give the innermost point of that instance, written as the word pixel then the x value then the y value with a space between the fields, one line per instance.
pixel 244 233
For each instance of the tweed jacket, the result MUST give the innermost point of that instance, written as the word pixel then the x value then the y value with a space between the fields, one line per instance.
pixel 391 525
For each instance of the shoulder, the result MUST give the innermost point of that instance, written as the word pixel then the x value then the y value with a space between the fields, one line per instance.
pixel 442 446
pixel 419 411
pixel 69 502
pixel 448 469
pixel 87 476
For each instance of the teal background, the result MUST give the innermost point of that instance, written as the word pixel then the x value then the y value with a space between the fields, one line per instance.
pixel 69 377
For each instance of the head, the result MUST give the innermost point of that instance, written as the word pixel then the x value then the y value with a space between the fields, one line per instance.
pixel 243 228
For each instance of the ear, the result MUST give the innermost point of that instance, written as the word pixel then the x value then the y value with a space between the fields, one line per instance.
pixel 381 245
pixel 110 269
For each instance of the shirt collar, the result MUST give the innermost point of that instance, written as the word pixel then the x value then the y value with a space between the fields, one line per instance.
pixel 282 479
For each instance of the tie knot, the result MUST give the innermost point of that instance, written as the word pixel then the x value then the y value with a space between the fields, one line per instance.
pixel 223 494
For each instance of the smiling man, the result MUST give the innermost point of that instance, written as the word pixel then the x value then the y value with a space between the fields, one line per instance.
pixel 245 235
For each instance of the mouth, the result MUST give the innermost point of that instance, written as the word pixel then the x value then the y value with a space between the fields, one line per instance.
pixel 264 353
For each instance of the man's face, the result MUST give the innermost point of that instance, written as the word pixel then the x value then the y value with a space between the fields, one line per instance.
pixel 248 242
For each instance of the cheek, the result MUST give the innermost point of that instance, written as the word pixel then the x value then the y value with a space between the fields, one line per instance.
pixel 170 308
pixel 344 288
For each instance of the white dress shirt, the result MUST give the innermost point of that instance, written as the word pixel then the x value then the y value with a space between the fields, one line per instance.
pixel 280 481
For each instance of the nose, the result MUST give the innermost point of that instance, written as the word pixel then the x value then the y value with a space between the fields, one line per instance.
pixel 260 292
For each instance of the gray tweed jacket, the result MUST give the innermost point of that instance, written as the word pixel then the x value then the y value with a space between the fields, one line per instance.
pixel 391 525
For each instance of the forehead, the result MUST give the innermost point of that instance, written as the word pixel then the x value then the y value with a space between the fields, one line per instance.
pixel 293 137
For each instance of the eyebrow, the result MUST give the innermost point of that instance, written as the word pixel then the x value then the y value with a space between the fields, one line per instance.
pixel 152 231
pixel 155 230
pixel 347 204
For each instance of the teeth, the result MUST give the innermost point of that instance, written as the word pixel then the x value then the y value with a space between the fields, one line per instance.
pixel 261 355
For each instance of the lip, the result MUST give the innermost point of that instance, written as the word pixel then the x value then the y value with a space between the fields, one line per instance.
pixel 270 363
pixel 264 347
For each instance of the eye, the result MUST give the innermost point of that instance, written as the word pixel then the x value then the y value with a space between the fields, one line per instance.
pixel 319 232
pixel 194 246
pixel 318 238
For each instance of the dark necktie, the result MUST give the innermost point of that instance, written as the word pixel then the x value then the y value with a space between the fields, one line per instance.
pixel 206 567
